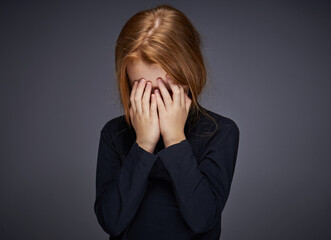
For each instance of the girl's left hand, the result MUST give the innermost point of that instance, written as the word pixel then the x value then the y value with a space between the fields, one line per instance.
pixel 173 111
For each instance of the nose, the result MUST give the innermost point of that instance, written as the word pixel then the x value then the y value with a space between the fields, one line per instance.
pixel 156 86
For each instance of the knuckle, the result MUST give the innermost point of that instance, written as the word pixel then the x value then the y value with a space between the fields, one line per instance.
pixel 176 90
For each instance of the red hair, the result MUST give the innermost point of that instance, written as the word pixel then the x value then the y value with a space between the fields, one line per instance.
pixel 165 36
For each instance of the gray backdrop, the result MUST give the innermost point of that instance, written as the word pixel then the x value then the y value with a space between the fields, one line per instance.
pixel 268 65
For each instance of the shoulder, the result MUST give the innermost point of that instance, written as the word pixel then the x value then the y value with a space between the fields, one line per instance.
pixel 115 125
pixel 214 133
pixel 221 122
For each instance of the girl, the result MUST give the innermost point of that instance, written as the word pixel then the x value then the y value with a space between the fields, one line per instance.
pixel 165 167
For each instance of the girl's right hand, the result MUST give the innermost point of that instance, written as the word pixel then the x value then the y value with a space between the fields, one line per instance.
pixel 143 115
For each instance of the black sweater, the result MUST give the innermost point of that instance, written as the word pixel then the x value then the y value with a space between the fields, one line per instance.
pixel 176 193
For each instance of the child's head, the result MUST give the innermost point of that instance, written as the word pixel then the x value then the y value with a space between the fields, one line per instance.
pixel 164 40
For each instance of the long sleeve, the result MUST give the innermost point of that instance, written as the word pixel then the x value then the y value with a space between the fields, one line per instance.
pixel 119 188
pixel 202 190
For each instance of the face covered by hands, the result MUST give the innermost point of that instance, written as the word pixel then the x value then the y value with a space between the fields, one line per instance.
pixel 172 103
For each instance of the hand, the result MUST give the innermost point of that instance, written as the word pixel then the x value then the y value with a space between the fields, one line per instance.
pixel 143 115
pixel 173 111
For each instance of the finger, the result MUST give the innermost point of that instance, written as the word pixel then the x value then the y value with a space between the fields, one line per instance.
pixel 182 96
pixel 138 95
pixel 164 91
pixel 146 97
pixel 159 102
pixel 133 92
pixel 153 108
pixel 175 91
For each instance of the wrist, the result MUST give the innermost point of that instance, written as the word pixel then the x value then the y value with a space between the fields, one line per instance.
pixel 173 140
pixel 147 147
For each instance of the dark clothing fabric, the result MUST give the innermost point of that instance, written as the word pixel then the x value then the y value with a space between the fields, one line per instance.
pixel 177 192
